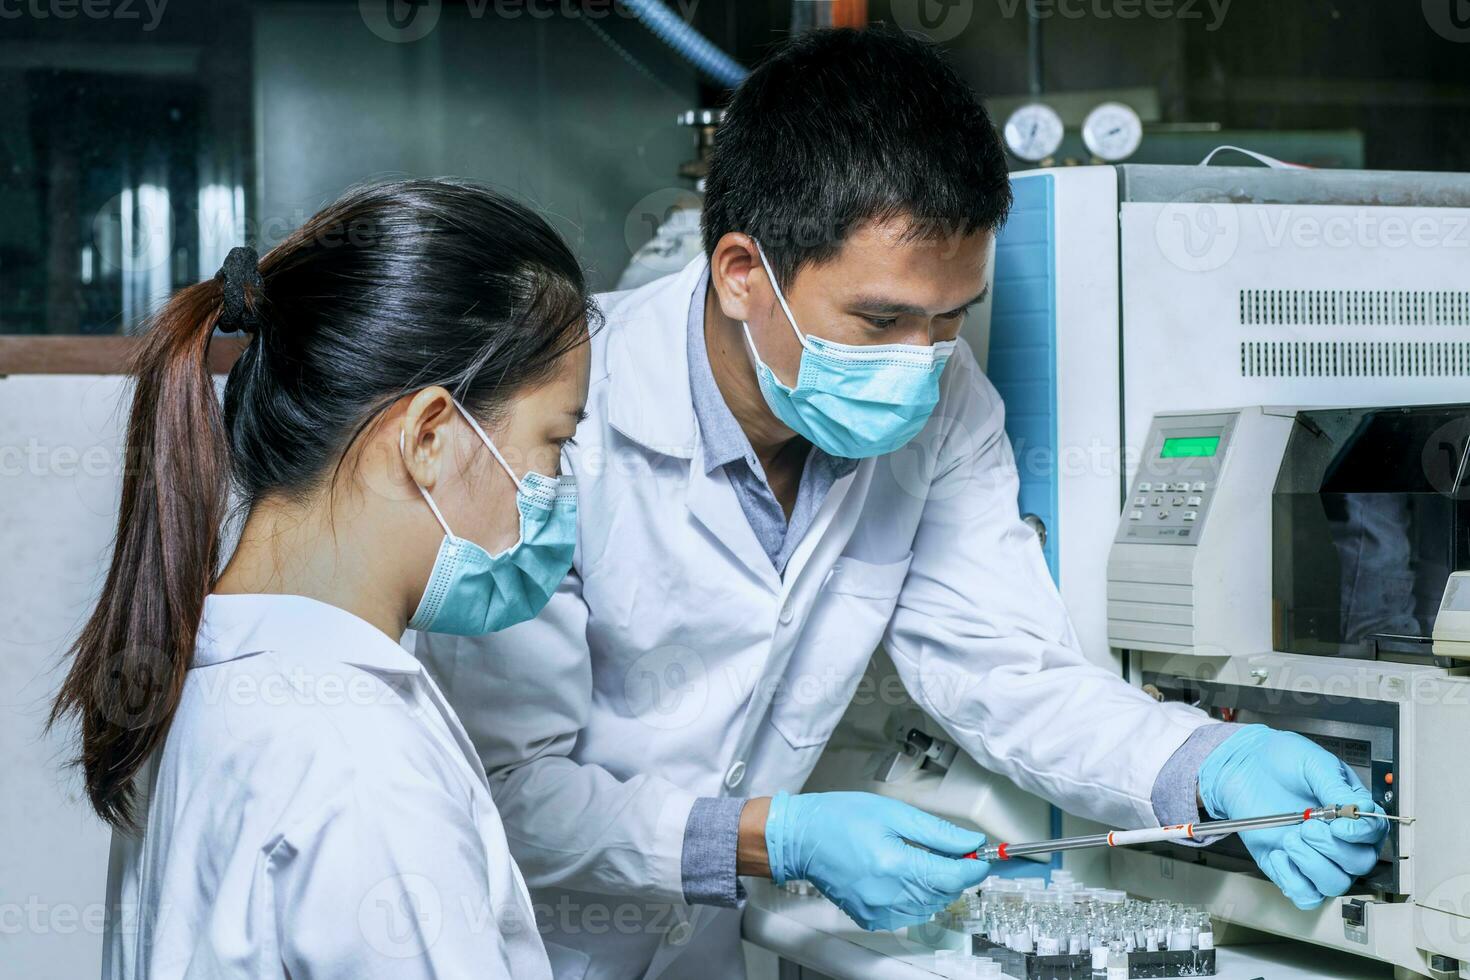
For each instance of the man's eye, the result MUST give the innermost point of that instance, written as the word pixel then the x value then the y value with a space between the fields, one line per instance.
pixel 882 323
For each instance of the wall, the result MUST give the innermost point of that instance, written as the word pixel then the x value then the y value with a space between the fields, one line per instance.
pixel 60 472
pixel 539 107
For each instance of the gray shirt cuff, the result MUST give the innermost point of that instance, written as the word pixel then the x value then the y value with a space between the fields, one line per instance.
pixel 711 839
pixel 1175 795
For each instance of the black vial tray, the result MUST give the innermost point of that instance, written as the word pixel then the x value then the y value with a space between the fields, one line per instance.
pixel 1031 966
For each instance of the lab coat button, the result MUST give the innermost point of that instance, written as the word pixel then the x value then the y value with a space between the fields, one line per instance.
pixel 734 774
pixel 787 613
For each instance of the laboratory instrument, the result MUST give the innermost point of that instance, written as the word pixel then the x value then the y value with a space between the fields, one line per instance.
pixel 1112 132
pixel 1182 831
pixel 1304 568
pixel 1033 132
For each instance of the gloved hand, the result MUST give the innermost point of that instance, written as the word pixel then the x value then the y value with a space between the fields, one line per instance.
pixel 853 847
pixel 1258 772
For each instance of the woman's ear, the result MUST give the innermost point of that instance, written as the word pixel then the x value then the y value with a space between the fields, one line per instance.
pixel 732 267
pixel 426 440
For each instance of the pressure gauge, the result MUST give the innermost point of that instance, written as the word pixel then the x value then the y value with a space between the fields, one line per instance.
pixel 1034 132
pixel 1112 132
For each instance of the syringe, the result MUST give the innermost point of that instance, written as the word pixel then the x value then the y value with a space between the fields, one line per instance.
pixel 1181 831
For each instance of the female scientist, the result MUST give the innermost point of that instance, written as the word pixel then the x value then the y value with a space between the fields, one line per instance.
pixel 291 795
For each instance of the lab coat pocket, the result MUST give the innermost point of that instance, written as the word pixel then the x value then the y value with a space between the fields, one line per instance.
pixel 843 628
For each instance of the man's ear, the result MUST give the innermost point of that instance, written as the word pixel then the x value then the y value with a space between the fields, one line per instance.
pixel 426 436
pixel 734 268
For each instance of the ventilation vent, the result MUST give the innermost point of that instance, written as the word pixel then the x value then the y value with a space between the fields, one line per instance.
pixel 1349 359
pixel 1355 307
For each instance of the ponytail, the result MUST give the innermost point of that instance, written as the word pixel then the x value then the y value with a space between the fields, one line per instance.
pixel 393 288
pixel 130 659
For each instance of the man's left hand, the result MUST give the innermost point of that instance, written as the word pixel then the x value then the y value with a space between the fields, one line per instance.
pixel 1259 772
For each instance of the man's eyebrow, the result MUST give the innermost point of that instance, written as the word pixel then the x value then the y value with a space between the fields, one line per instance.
pixel 884 306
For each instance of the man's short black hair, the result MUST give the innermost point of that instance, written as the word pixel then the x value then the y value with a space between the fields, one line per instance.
pixel 839 127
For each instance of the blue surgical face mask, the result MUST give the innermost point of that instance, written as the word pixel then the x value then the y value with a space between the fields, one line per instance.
pixel 472 592
pixel 850 400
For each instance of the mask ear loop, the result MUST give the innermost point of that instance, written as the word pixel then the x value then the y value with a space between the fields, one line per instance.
pixel 403 451
pixel 780 297
pixel 489 445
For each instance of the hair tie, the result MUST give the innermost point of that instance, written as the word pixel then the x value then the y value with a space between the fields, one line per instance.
pixel 240 271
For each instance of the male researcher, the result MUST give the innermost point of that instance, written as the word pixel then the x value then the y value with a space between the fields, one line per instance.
pixel 789 459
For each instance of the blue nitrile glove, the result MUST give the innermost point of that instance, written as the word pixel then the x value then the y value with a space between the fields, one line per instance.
pixel 1259 772
pixel 854 848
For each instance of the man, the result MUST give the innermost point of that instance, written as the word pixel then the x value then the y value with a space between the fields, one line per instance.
pixel 788 460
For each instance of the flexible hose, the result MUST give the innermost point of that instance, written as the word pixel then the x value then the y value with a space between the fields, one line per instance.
pixel 693 46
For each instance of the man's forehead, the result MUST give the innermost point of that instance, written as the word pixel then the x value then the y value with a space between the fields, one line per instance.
pixel 910 270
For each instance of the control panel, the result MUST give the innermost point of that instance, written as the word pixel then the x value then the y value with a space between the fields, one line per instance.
pixel 1176 480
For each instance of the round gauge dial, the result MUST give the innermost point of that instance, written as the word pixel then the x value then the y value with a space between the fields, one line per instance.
pixel 1033 132
pixel 1112 132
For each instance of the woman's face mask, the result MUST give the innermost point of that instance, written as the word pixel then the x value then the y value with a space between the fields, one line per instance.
pixel 851 400
pixel 472 592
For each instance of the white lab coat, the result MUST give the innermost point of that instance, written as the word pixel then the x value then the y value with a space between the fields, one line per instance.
pixel 710 674
pixel 315 812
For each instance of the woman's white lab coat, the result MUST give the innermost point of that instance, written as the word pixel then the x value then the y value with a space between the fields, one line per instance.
pixel 316 812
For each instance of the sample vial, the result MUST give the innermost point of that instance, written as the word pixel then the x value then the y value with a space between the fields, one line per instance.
pixel 1206 932
pixel 1117 962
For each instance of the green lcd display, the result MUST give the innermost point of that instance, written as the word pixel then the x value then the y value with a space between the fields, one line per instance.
pixel 1190 446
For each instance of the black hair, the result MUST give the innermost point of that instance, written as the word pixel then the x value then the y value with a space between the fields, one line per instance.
pixel 839 127
pixel 394 288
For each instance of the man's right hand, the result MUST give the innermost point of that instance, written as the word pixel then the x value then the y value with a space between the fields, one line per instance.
pixel 858 849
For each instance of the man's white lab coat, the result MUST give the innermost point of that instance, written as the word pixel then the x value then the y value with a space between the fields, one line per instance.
pixel 676 663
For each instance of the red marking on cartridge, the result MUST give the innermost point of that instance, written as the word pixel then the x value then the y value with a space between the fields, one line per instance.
pixel 1110 839
pixel 1003 852
pixel 1189 829
pixel 1307 813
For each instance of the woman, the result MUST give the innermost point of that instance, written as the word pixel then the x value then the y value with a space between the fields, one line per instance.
pixel 291 795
